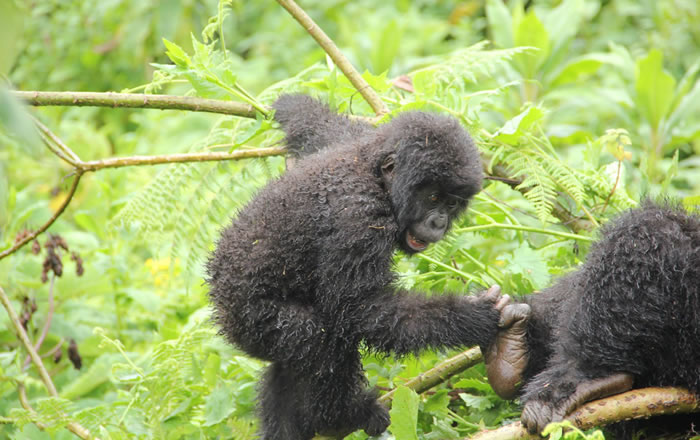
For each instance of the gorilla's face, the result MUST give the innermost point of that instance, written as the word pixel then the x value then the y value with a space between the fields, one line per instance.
pixel 433 211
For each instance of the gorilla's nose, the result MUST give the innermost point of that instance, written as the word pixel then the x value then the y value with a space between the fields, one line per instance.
pixel 438 221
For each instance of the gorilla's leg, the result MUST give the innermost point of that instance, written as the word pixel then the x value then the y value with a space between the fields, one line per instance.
pixel 341 402
pixel 562 388
pixel 279 411
pixel 326 395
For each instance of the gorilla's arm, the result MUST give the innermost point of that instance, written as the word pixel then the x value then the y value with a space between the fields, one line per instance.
pixel 404 322
pixel 310 126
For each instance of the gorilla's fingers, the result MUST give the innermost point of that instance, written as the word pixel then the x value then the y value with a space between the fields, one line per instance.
pixel 493 293
pixel 516 316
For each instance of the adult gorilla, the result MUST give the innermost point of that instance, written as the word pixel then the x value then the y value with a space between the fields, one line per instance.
pixel 303 275
pixel 630 316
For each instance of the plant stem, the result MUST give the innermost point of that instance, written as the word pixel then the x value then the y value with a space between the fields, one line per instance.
pixel 47 324
pixel 336 55
pixel 27 343
pixel 525 228
pixel 136 100
pixel 471 278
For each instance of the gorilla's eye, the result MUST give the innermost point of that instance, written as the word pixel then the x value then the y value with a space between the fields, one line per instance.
pixel 434 197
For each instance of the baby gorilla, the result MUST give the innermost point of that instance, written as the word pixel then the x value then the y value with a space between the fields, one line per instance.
pixel 629 316
pixel 303 277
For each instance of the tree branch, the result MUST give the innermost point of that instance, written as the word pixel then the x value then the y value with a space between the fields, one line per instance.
pixel 117 162
pixel 336 55
pixel 635 404
pixel 439 373
pixel 45 226
pixel 136 100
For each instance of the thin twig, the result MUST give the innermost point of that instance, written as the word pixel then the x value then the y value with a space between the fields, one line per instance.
pixel 54 349
pixel 75 428
pixel 58 142
pixel 136 100
pixel 19 329
pixel 117 162
pixel 45 226
pixel 47 324
pixel 336 55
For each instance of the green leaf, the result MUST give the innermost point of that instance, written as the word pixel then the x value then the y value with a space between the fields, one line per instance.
pixel 500 23
pixel 437 403
pixel 531 33
pixel 528 262
pixel 176 54
pixel 16 119
pixel 654 87
pixel 517 126
pixel 211 369
pixel 579 68
pixel 564 21
pixel 387 47
pixel 404 414
pixel 670 173
pixel 12 17
pixel 479 403
pixel 218 405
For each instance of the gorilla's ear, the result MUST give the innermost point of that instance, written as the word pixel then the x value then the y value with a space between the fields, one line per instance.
pixel 387 168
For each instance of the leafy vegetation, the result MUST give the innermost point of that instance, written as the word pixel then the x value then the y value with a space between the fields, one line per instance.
pixel 580 107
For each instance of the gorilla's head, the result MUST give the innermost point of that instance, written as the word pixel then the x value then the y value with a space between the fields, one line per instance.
pixel 431 170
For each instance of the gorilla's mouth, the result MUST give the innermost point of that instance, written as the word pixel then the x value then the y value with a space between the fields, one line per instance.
pixel 414 243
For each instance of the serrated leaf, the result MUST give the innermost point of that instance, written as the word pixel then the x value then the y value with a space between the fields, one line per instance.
pixel 404 414
pixel 654 87
pixel 479 403
pixel 526 261
pixel 176 54
pixel 437 403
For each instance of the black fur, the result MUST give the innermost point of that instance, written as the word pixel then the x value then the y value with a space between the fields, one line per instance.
pixel 633 307
pixel 303 275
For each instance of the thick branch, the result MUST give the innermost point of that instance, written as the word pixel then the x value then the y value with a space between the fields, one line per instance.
pixel 136 100
pixel 635 404
pixel 336 55
pixel 117 162
pixel 46 225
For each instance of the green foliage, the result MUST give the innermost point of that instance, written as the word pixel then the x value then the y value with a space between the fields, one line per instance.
pixel 573 103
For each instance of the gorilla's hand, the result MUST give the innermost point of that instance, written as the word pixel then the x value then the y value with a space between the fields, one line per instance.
pixel 507 357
